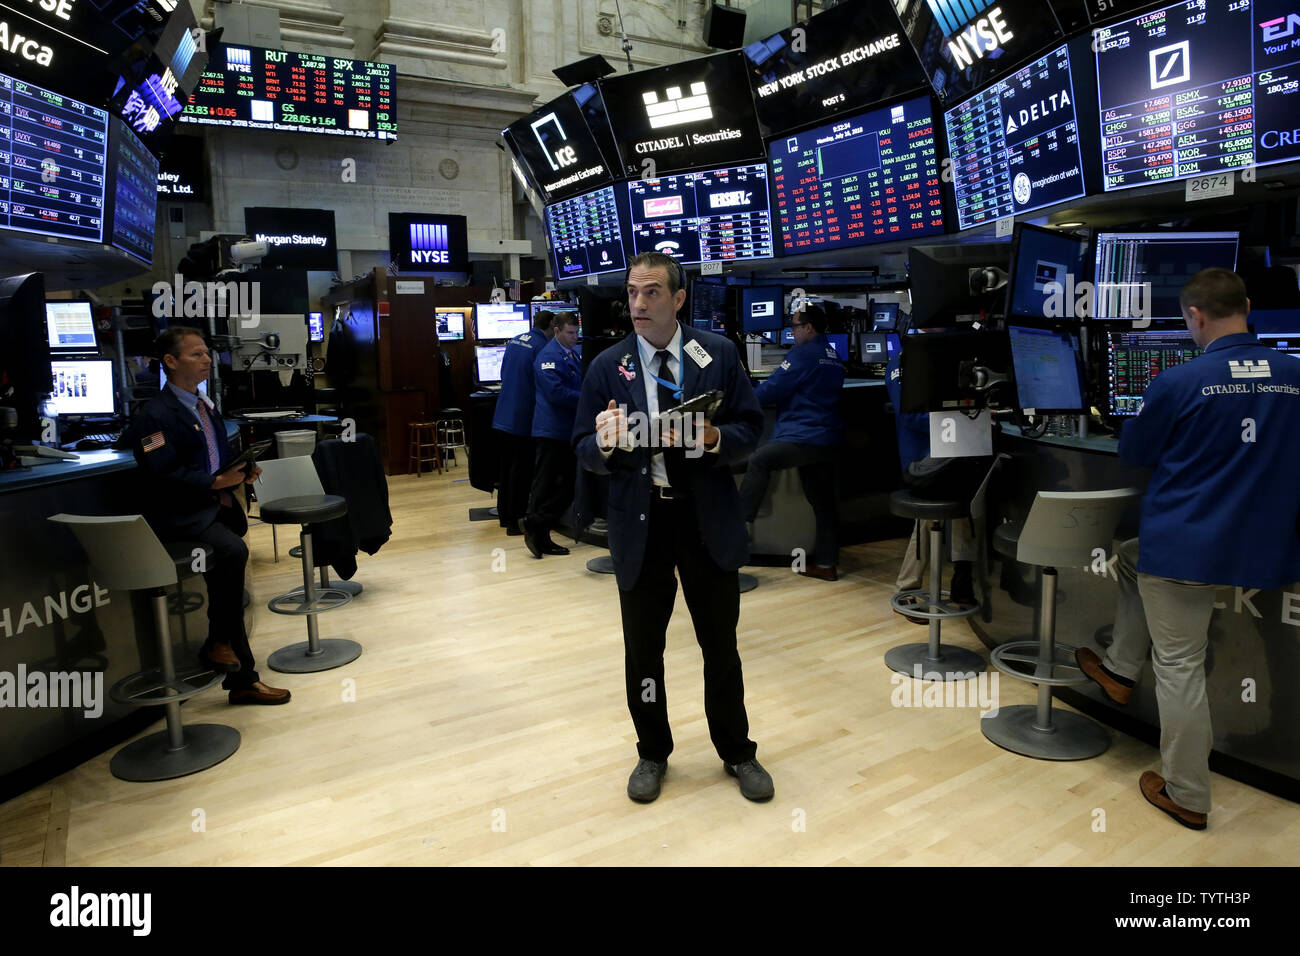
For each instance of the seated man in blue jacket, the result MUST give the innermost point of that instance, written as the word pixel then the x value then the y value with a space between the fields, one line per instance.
pixel 513 421
pixel 557 380
pixel 806 392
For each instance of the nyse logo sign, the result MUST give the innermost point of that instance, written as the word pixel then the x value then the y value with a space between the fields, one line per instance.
pixel 558 158
pixel 1170 65
pixel 972 38
pixel 429 243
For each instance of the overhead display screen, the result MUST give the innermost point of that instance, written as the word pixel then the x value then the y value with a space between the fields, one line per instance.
pixel 135 193
pixel 586 234
pixel 965 44
pixel 871 178
pixel 1199 87
pixel 697 114
pixel 558 150
pixel 51 162
pixel 842 60
pixel 299 238
pixel 716 216
pixel 248 86
pixel 1015 147
pixel 182 174
pixel 419 242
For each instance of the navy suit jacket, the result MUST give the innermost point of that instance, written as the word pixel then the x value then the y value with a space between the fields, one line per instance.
pixel 711 486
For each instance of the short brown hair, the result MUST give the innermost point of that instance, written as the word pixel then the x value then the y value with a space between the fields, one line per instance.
pixel 1218 293
pixel 169 343
pixel 657 260
pixel 560 319
pixel 542 319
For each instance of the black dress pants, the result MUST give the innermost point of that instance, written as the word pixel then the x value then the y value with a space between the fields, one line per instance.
pixel 555 472
pixel 816 464
pixel 713 597
pixel 225 582
pixel 516 477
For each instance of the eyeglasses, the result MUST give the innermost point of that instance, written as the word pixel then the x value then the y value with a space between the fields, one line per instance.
pixel 799 325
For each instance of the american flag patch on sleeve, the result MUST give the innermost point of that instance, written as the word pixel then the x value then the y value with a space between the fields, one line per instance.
pixel 153 442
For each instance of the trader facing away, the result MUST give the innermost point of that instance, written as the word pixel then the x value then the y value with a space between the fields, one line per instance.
pixel 674 507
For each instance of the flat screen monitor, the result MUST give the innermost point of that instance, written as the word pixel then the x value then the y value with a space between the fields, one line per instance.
pixel 182 171
pixel 787 336
pixel 940 278
pixel 316 326
pixel 450 324
pixel 558 150
pixel 884 316
pixel 1039 258
pixel 586 233
pixel 569 309
pixel 1048 369
pixel 761 308
pixel 840 342
pixel 162 382
pixel 936 370
pixel 1288 342
pixel 865 179
pixel 487 363
pixel 877 348
pixel 709 306
pixel 135 193
pixel 82 386
pixel 716 216
pixel 1135 358
pixel 70 327
pixel 1138 275
pixel 299 238
pixel 500 321
pixel 1198 87
pixel 1015 146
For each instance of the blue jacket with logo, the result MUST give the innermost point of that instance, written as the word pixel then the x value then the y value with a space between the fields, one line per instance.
pixel 1222 433
pixel 913 429
pixel 806 392
pixel 514 412
pixel 557 373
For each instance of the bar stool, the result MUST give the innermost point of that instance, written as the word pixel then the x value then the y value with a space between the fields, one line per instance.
pixel 423 438
pixel 290 492
pixel 183 603
pixel 126 555
pixel 1063 529
pixel 450 433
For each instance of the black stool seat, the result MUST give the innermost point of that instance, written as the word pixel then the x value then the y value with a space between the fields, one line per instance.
pixel 305 509
pixel 448 413
pixel 182 555
pixel 1006 538
pixel 906 504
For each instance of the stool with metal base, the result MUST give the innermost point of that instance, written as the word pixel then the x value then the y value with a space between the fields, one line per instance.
pixel 127 556
pixel 352 587
pixel 1063 529
pixel 449 433
pixel 290 492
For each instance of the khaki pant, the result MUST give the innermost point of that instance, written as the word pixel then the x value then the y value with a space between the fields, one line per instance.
pixel 912 572
pixel 1171 619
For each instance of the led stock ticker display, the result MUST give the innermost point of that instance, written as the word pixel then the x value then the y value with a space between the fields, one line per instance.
pixel 248 86
pixel 1199 87
pixel 721 215
pixel 867 179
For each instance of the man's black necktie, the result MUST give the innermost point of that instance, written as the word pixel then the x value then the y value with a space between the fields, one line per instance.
pixel 674 458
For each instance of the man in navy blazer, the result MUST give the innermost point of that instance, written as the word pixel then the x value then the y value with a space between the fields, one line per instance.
pixel 673 504
pixel 557 374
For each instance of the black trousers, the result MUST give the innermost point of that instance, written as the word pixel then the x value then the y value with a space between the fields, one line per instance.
pixel 225 582
pixel 713 597
pixel 556 469
pixel 516 455
pixel 816 464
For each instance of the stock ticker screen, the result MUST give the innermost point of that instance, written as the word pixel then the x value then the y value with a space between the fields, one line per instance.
pixel 1198 87
pixel 720 215
pixel 866 179
pixel 1134 359
pixel 1015 146
pixel 586 234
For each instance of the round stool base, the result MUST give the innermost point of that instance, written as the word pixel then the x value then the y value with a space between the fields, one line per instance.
pixel 1074 736
pixel 352 588
pixel 294 602
pixel 954 663
pixel 747 582
pixel 149 758
pixel 334 652
pixel 604 564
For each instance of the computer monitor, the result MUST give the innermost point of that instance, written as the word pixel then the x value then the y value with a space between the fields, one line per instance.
pixel 495 322
pixel 938 371
pixel 840 342
pixel 1288 342
pixel 487 363
pixel 316 326
pixel 761 308
pixel 450 324
pixel 1040 257
pixel 709 306
pixel 569 309
pixel 941 282
pixel 70 327
pixel 24 347
pixel 1048 369
pixel 82 386
pixel 1138 275
pixel 884 316
pixel 162 382
pixel 1135 358
pixel 877 348
pixel 787 336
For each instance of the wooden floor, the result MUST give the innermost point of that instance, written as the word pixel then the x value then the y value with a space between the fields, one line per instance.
pixel 485 724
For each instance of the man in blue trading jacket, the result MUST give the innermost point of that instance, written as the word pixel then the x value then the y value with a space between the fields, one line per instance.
pixel 673 505
pixel 806 392
pixel 557 377
pixel 179 440
pixel 1222 508
pixel 513 420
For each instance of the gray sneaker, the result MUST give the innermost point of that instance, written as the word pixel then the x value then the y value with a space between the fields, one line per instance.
pixel 755 782
pixel 643 785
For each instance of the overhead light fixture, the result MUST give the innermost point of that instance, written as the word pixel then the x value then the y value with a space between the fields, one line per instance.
pixel 1068 225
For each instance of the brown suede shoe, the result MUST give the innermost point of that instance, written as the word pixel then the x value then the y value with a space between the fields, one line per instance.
pixel 1092 668
pixel 259 693
pixel 220 657
pixel 1152 786
pixel 821 572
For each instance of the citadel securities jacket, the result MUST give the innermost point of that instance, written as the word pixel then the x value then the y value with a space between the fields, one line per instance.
pixel 557 378
pixel 514 412
pixel 711 487
pixel 806 392
pixel 1220 432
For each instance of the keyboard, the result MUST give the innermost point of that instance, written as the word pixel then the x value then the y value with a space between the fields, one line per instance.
pixel 104 438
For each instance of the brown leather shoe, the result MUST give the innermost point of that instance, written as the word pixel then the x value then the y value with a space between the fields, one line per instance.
pixel 1152 786
pixel 220 657
pixel 915 620
pixel 1092 667
pixel 822 572
pixel 259 693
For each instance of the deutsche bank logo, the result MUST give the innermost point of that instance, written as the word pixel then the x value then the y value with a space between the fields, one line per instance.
pixel 429 243
pixel 951 14
pixel 1170 65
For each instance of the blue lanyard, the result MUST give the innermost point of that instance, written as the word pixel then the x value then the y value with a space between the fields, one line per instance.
pixel 675 387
